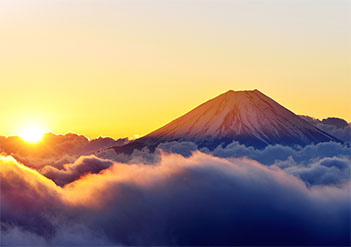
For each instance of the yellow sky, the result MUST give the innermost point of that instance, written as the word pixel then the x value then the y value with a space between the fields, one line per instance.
pixel 120 68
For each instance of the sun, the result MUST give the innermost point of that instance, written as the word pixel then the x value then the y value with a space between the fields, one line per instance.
pixel 32 134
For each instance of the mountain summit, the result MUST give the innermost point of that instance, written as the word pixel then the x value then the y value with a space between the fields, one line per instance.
pixel 249 117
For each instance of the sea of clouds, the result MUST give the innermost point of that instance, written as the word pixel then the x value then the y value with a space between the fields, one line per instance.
pixel 180 195
pixel 73 191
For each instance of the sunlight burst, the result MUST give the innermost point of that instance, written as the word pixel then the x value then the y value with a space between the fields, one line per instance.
pixel 32 134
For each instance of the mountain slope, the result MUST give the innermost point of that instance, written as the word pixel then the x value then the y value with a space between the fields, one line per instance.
pixel 249 117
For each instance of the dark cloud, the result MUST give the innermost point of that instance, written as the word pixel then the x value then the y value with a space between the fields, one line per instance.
pixel 14 236
pixel 183 148
pixel 334 126
pixel 71 172
pixel 28 200
pixel 143 156
pixel 324 172
pixel 146 156
pixel 35 212
pixel 196 200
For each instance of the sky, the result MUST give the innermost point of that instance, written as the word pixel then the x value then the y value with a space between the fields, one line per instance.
pixel 125 68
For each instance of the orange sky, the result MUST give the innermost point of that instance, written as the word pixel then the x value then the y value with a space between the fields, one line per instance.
pixel 121 68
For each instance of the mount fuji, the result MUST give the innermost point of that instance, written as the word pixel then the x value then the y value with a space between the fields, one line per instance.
pixel 249 117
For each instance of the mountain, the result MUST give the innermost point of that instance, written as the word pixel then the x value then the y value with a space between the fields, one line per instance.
pixel 249 117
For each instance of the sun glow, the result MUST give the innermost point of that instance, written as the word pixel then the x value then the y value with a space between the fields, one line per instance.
pixel 32 134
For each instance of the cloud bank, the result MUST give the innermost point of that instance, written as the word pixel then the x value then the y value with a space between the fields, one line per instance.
pixel 55 150
pixel 327 171
pixel 290 159
pixel 273 153
pixel 334 126
pixel 196 200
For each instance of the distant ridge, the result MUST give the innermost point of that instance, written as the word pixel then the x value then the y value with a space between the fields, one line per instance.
pixel 249 117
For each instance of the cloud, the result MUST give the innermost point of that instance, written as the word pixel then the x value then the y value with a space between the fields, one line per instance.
pixel 27 199
pixel 297 159
pixel 146 156
pixel 14 236
pixel 143 156
pixel 55 150
pixel 268 156
pixel 334 126
pixel 196 200
pixel 324 172
pixel 71 172
pixel 34 211
pixel 184 148
pixel 273 153
pixel 315 164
